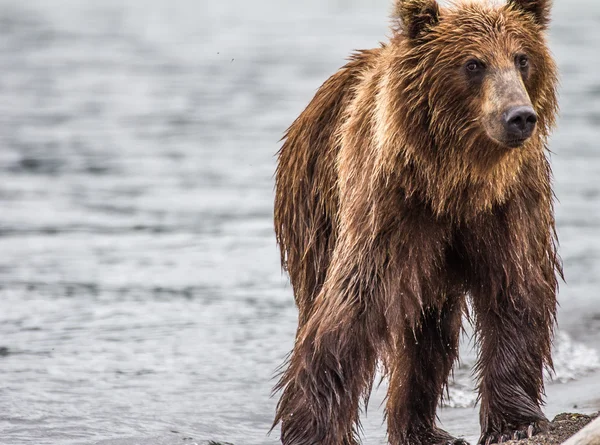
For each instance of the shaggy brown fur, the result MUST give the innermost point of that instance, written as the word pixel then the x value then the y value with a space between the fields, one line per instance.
pixel 397 195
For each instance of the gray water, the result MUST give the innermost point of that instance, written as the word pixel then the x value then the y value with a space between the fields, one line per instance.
pixel 141 300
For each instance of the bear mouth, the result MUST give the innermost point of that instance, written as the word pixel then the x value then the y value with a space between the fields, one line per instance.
pixel 516 143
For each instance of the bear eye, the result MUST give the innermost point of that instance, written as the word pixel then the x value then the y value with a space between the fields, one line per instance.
pixel 474 66
pixel 522 61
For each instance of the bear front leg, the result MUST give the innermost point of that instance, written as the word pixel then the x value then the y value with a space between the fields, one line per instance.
pixel 331 369
pixel 419 368
pixel 516 335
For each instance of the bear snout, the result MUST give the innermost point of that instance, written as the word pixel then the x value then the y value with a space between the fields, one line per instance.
pixel 519 124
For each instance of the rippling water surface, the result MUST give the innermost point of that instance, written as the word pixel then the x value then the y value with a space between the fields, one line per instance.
pixel 141 299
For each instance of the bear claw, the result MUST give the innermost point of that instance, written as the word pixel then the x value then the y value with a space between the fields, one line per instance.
pixel 525 432
pixel 438 436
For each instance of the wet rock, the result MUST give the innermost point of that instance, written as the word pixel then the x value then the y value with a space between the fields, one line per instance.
pixel 590 435
pixel 561 428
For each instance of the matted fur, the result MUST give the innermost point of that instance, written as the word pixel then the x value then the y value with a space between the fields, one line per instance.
pixel 392 205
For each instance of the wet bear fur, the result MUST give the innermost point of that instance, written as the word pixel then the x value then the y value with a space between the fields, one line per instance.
pixel 398 196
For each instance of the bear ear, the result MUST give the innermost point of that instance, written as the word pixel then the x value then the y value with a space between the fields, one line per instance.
pixel 539 9
pixel 416 16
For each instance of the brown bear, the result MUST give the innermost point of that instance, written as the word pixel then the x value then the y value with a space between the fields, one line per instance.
pixel 417 178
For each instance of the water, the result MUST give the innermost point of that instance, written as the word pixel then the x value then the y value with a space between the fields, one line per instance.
pixel 141 300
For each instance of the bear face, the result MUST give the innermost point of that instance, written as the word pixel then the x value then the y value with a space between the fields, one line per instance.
pixel 467 95
pixel 489 69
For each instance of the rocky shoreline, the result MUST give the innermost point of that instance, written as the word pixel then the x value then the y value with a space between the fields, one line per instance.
pixel 563 427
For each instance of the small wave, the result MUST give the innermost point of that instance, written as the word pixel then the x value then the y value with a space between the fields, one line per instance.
pixel 572 360
pixel 460 396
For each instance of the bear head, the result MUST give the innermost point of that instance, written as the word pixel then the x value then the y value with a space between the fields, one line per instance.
pixel 474 75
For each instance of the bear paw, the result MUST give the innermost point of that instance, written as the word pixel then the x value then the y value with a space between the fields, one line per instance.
pixel 456 441
pixel 526 431
pixel 441 437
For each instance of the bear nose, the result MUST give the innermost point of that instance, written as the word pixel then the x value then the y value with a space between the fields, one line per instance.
pixel 519 122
